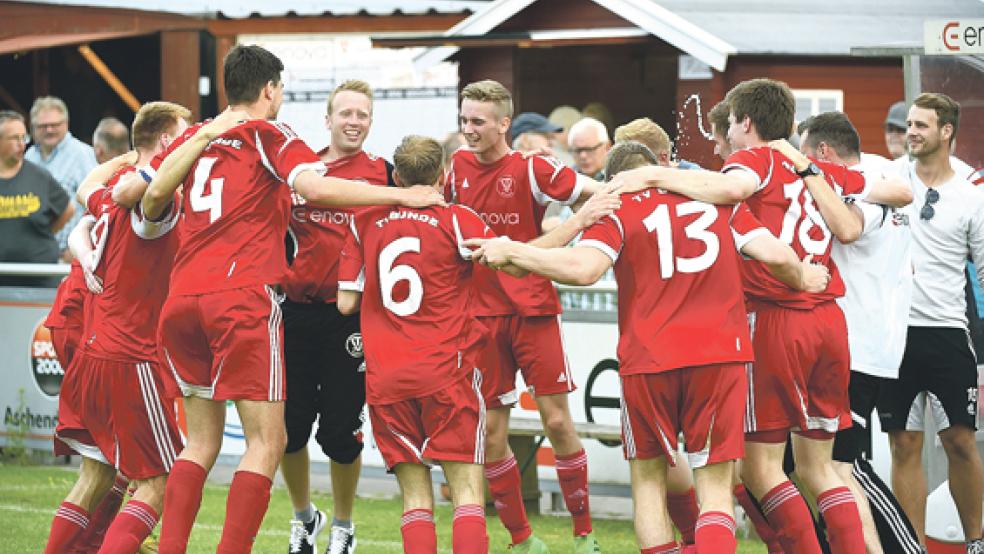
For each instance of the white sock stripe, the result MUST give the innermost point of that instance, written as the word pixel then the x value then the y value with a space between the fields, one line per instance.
pixel 142 514
pixel 142 377
pixel 417 516
pixel 573 463
pixel 470 510
pixel 889 510
pixel 74 516
pixel 722 520
pixel 500 467
pixel 779 498
pixel 835 500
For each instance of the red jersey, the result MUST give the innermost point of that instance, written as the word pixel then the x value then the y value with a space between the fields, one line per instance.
pixel 418 329
pixel 70 298
pixel 133 257
pixel 679 285
pixel 319 233
pixel 511 195
pixel 236 206
pixel 784 205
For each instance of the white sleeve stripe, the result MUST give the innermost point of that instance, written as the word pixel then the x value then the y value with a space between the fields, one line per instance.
pixel 150 230
pixel 598 245
pixel 355 286
pixel 759 183
pixel 538 194
pixel 288 141
pixel 355 232
pixel 263 157
pixel 317 167
pixel 576 193
pixel 742 240
pixel 621 230
pixel 463 251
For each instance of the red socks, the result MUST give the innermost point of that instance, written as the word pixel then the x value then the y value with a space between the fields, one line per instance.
pixel 840 512
pixel 684 512
pixel 468 535
pixel 102 516
pixel 504 484
pixel 715 533
pixel 572 472
pixel 129 529
pixel 788 515
pixel 754 513
pixel 182 499
pixel 668 548
pixel 419 534
pixel 70 520
pixel 249 497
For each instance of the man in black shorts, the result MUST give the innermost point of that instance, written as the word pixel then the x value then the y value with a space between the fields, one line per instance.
pixel 939 367
pixel 322 348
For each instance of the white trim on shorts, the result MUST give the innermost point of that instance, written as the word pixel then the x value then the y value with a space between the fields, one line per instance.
pixel 155 416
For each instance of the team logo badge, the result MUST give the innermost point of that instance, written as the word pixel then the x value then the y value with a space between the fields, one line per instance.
pixel 354 345
pixel 45 367
pixel 506 186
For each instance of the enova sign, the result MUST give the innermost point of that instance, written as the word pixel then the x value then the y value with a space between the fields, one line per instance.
pixel 954 36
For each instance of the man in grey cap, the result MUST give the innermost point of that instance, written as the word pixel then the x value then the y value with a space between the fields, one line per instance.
pixel 895 130
pixel 532 132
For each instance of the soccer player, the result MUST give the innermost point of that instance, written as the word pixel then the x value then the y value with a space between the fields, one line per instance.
pixel 509 192
pixel 939 366
pixel 877 273
pixel 413 275
pixel 800 376
pixel 677 270
pixel 322 348
pixel 220 329
pixel 718 118
pixel 117 416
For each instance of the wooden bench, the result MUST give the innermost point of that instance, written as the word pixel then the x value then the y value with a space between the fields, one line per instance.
pixel 526 435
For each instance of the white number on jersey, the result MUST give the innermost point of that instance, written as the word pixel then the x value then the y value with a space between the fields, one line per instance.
pixel 211 202
pixel 390 275
pixel 817 247
pixel 99 234
pixel 659 221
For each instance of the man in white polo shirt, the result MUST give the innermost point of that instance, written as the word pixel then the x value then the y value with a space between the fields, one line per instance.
pixel 877 272
pixel 939 367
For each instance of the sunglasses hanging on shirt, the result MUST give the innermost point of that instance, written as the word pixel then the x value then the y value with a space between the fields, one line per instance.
pixel 928 211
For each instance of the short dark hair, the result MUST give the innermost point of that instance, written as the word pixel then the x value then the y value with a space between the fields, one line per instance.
pixel 947 109
pixel 768 103
pixel 835 129
pixel 804 126
pixel 718 116
pixel 628 155
pixel 247 70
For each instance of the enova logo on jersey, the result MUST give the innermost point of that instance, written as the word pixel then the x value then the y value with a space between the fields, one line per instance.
pixel 45 367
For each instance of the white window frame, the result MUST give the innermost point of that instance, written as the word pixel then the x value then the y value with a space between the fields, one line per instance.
pixel 815 95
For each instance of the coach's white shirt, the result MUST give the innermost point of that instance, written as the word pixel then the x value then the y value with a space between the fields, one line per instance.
pixel 940 247
pixel 877 272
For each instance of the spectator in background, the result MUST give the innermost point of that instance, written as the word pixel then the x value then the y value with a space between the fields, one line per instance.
pixel 588 141
pixel 895 130
pixel 110 139
pixel 564 117
pixel 652 136
pixel 531 132
pixel 452 142
pixel 67 158
pixel 32 205
pixel 599 111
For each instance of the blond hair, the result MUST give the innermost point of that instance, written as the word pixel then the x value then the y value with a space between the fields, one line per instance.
pixel 492 92
pixel 354 85
pixel 419 160
pixel 646 131
pixel 154 119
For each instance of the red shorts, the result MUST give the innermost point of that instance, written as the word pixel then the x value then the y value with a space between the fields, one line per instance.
pixel 801 372
pixel 447 426
pixel 66 342
pixel 225 345
pixel 115 412
pixel 532 345
pixel 705 403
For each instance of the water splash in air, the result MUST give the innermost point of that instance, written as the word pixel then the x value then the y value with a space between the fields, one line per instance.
pixel 700 116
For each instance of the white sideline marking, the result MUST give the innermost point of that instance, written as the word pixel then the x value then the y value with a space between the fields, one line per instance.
pixel 396 546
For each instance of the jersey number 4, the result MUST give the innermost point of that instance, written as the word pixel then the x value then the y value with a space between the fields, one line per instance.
pixel 659 222
pixel 201 201
pixel 390 275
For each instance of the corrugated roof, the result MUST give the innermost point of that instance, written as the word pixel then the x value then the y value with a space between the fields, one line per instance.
pixel 804 27
pixel 245 8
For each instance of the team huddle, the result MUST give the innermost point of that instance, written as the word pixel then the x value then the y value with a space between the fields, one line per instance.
pixel 228 261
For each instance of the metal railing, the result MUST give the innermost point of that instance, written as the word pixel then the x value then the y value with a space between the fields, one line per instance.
pixel 33 270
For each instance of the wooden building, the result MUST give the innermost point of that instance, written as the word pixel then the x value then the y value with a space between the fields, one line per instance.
pixel 655 57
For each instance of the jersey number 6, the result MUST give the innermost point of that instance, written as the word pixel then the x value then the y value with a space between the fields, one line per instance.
pixel 390 275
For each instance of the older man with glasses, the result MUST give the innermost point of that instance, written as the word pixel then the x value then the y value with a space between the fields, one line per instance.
pixel 589 144
pixel 67 158
pixel 939 367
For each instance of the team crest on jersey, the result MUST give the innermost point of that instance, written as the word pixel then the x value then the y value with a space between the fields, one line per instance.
pixel 506 186
pixel 353 344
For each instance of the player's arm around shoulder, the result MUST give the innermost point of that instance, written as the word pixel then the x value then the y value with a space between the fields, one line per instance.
pixel 580 265
pixel 97 178
pixel 707 186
